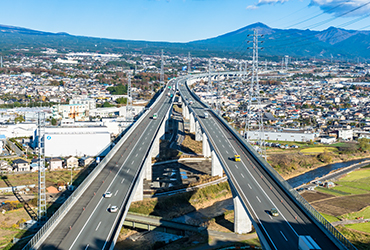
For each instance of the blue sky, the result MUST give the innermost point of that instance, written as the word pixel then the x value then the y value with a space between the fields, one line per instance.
pixel 179 20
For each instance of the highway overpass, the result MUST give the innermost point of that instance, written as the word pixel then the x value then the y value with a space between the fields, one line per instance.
pixel 256 186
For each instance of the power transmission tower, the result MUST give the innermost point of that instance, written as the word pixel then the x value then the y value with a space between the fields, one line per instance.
pixel 189 63
pixel 255 95
pixel 41 179
pixel 162 71
pixel 129 115
pixel 209 84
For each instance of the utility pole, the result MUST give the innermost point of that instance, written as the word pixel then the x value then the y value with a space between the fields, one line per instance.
pixel 129 116
pixel 41 179
pixel 255 95
pixel 162 71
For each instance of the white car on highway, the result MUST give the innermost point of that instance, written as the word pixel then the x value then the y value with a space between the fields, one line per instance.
pixel 107 195
pixel 113 209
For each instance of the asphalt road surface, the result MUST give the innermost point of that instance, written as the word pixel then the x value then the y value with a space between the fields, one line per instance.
pixel 90 224
pixel 256 189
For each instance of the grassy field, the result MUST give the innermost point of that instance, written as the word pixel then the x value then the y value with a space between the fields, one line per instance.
pixel 363 213
pixel 317 150
pixel 363 227
pixel 52 178
pixel 356 182
pixel 330 218
pixel 360 240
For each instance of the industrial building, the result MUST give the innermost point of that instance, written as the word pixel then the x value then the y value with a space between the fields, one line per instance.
pixel 285 135
pixel 74 141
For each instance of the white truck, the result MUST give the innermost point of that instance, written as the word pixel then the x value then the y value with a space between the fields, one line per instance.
pixel 305 242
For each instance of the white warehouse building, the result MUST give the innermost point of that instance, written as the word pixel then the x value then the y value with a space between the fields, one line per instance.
pixel 285 135
pixel 75 141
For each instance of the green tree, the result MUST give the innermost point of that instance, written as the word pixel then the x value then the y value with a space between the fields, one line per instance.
pixel 107 105
pixel 364 144
pixel 121 100
pixel 19 119
pixel 53 121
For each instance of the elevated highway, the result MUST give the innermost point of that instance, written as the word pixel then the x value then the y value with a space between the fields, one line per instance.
pixel 89 223
pixel 258 187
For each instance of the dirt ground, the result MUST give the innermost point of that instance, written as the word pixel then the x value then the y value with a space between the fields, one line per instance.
pixel 9 225
pixel 312 196
pixel 341 205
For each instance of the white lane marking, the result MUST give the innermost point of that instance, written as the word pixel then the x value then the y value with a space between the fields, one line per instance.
pixel 258 199
pixel 136 155
pixel 236 166
pixel 123 180
pixel 132 162
pixel 140 149
pixel 143 143
pixel 146 137
pixel 270 217
pixel 217 136
pixel 249 186
pixel 283 236
pixel 87 246
pixel 98 226
pixel 116 193
pixel 227 152
pixel 109 206
pixel 242 175
pixel 128 170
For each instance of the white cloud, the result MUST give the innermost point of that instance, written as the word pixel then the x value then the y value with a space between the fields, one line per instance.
pixel 252 7
pixel 343 8
pixel 263 2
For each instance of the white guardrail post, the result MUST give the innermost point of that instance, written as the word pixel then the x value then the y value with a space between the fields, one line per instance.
pixel 53 221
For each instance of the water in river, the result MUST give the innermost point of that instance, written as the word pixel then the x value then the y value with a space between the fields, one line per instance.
pixel 319 172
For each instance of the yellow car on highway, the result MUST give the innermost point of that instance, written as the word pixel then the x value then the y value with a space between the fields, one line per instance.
pixel 236 157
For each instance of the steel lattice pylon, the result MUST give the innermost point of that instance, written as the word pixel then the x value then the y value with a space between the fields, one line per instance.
pixel 41 149
pixel 254 94
pixel 129 109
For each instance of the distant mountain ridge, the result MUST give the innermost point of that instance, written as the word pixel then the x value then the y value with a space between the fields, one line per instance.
pixel 336 42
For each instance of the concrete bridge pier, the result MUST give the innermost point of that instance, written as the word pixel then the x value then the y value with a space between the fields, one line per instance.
pixel 192 123
pixel 242 223
pixel 205 146
pixel 139 193
pixel 186 115
pixel 216 165
pixel 198 132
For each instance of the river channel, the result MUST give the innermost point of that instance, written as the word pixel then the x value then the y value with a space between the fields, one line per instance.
pixel 319 172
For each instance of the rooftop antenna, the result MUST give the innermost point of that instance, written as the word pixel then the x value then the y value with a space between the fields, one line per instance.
pixel 41 179
pixel 255 95
pixel 129 115
pixel 162 71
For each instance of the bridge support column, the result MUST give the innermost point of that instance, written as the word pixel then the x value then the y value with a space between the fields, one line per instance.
pixel 192 123
pixel 154 152
pixel 216 165
pixel 242 223
pixel 162 130
pixel 186 114
pixel 198 132
pixel 139 194
pixel 179 100
pixel 148 167
pixel 205 146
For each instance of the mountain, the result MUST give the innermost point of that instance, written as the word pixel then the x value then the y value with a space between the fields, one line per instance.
pixel 340 43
